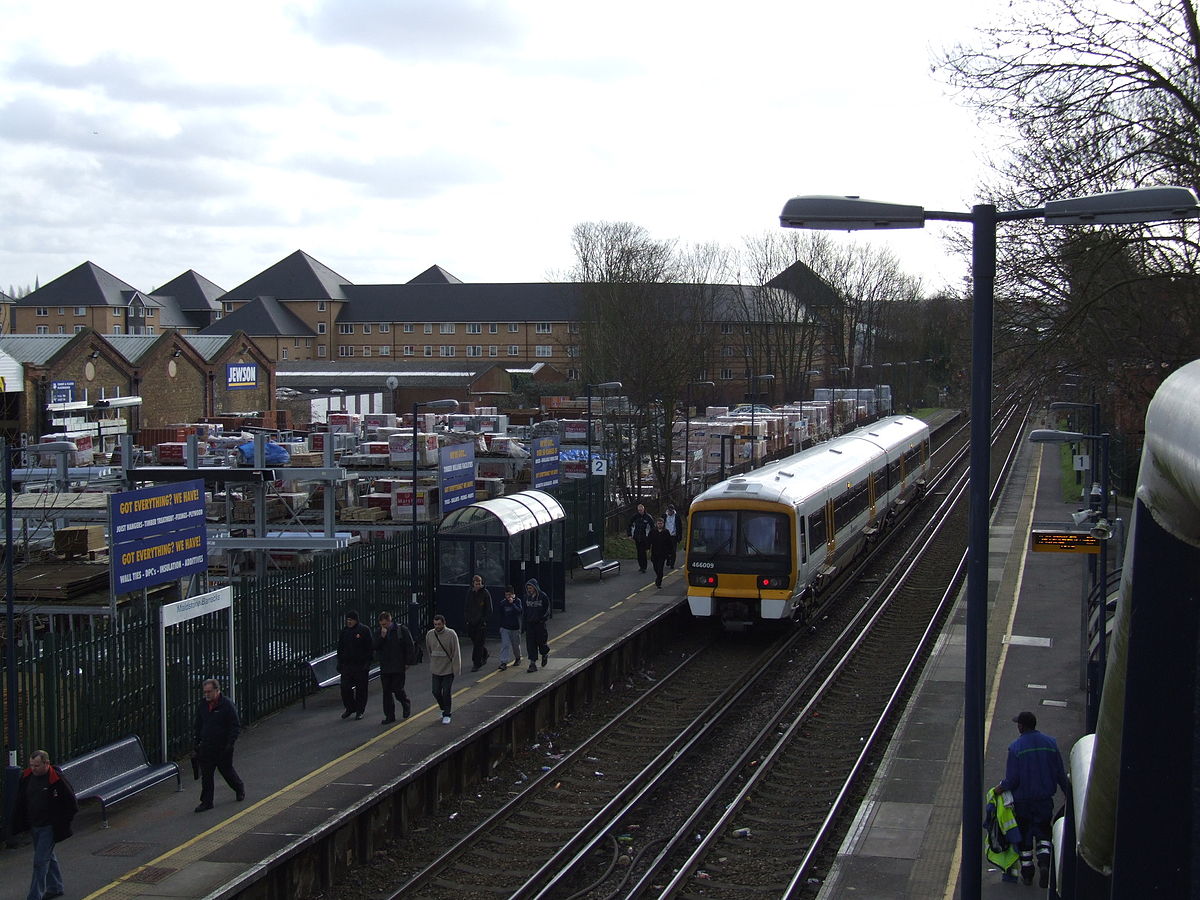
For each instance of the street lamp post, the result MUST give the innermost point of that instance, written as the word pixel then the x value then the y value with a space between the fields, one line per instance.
pixel 754 380
pixel 687 432
pixel 603 386
pixel 12 771
pixel 853 213
pixel 415 603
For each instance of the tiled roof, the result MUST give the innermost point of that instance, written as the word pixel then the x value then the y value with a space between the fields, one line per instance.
pixel 191 291
pixel 261 316
pixel 85 285
pixel 531 302
pixel 435 275
pixel 295 277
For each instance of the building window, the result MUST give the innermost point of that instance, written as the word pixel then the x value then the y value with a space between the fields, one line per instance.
pixel 345 329
pixel 428 349
pixel 474 328
pixel 429 328
pixel 345 351
pixel 219 314
pixel 117 312
pixel 148 312
pixel 493 328
pixel 321 351
pixel 228 307
pixel 543 350
pixel 81 310
pixel 726 374
pixel 320 306
pixel 572 374
pixel 366 350
pixel 320 328
pixel 409 350
pixel 727 350
pixel 295 342
pixel 45 311
pixel 283 352
pixel 308 343
pixel 493 350
pixel 116 329
pixel 572 350
pixel 475 350
pixel 43 329
pixel 573 328
pixel 514 350
pixel 149 329
pixel 366 327
pixel 62 329
pixel 385 350
pixel 446 350
pixel 726 328
pixel 514 327
pixel 446 328
pixel 385 328
pixel 408 327
pixel 747 351
pixel 78 328
pixel 543 328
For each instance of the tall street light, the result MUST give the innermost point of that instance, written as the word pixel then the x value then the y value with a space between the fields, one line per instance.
pixel 1101 530
pixel 1060 405
pixel 12 771
pixel 687 431
pixel 413 606
pixel 602 386
pixel 1147 204
pixel 754 380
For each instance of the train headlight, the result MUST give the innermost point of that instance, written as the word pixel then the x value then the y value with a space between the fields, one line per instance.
pixel 702 579
pixel 772 582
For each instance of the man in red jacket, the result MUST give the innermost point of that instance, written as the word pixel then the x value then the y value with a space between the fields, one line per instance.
pixel 45 806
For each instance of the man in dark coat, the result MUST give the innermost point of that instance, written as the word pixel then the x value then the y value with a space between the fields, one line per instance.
pixel 394 649
pixel 675 524
pixel 45 806
pixel 478 610
pixel 354 649
pixel 640 527
pixel 537 614
pixel 215 731
pixel 662 548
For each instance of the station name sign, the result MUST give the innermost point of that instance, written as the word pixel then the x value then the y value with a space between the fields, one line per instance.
pixel 1062 540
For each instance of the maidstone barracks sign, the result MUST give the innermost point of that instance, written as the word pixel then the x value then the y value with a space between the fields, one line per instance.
pixel 241 376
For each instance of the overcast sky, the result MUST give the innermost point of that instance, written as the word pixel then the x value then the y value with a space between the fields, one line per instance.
pixel 383 136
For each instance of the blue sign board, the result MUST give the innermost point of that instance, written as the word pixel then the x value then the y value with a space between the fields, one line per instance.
pixel 158 534
pixel 241 376
pixel 545 462
pixel 457 469
pixel 62 392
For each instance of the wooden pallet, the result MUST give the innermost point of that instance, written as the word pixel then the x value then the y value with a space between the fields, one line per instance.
pixel 363 514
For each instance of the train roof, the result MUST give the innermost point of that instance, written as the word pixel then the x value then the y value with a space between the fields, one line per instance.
pixel 801 475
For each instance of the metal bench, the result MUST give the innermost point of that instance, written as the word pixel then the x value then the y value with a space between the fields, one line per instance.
pixel 590 560
pixel 323 673
pixel 117 771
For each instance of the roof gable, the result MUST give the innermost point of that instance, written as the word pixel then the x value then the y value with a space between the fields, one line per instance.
pixel 295 277
pixel 262 316
pixel 191 291
pixel 435 275
pixel 85 285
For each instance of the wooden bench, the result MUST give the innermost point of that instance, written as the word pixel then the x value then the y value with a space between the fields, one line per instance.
pixel 322 673
pixel 117 771
pixel 590 560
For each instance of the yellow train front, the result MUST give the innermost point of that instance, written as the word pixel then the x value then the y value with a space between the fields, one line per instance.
pixel 762 545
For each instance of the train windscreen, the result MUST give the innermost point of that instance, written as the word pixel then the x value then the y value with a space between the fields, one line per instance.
pixel 740 535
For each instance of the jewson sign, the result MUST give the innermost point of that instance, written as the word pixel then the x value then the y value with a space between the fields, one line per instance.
pixel 241 376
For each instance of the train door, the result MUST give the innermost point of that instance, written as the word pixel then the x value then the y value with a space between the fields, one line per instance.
pixel 830 528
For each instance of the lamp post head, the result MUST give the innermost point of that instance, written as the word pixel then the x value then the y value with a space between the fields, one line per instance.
pixel 1067 404
pixel 437 404
pixel 1054 436
pixel 832 213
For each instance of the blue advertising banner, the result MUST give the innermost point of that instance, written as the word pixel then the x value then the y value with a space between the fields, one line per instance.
pixel 62 392
pixel 457 470
pixel 545 462
pixel 241 376
pixel 158 534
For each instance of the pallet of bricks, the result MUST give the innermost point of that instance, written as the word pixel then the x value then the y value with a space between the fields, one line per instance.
pixel 277 510
pixel 363 514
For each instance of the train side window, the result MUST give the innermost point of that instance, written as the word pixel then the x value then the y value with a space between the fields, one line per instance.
pixel 816 529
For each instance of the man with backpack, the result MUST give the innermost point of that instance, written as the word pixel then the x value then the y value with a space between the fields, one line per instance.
pixel 395 651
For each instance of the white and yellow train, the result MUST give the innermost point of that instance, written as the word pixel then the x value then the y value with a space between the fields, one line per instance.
pixel 762 545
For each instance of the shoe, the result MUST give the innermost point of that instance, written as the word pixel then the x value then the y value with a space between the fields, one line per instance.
pixel 1027 877
pixel 503 666
pixel 658 584
pixel 1043 878
pixel 347 713
pixel 445 720
pixel 203 807
pixel 407 709
pixel 532 667
pixel 357 716
pixel 545 656
pixel 476 668
pixel 388 720
pixel 240 795
pixel 516 662
pixel 1009 878
pixel 52 895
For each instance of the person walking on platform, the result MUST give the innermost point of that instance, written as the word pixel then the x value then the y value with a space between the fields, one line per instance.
pixel 662 548
pixel 478 611
pixel 45 805
pixel 537 614
pixel 394 649
pixel 673 522
pixel 215 731
pixel 445 661
pixel 1033 773
pixel 510 628
pixel 639 529
pixel 354 650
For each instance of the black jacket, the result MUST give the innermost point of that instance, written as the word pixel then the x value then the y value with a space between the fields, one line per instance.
pixel 662 544
pixel 355 647
pixel 537 607
pixel 479 607
pixel 640 527
pixel 395 651
pixel 63 804
pixel 215 730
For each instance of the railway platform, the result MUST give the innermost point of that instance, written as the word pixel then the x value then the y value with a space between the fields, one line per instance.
pixel 905 841
pixel 303 764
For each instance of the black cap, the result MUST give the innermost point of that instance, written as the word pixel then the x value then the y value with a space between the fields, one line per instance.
pixel 351 614
pixel 1026 719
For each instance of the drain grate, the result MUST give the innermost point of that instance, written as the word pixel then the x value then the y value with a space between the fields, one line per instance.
pixel 124 848
pixel 151 874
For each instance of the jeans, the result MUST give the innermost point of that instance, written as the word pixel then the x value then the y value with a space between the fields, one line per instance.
pixel 47 877
pixel 443 689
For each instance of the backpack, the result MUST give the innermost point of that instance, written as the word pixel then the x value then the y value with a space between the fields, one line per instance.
pixel 412 653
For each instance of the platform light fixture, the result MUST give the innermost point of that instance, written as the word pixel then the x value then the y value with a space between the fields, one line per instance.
pixel 416 602
pixel 827 212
